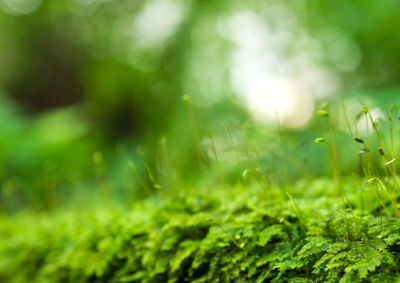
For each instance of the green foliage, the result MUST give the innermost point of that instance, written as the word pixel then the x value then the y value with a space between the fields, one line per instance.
pixel 126 81
pixel 199 239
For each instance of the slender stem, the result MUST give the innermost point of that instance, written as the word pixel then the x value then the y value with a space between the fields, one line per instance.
pixel 391 132
pixel 221 176
pixel 370 170
pixel 346 117
pixel 264 178
pixel 336 173
pixel 133 167
pixel 167 163
pixel 233 145
pixel 196 138
pixel 392 198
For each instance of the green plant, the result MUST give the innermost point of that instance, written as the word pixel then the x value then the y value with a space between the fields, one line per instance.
pixel 249 240
pixel 336 172
pixel 225 232
pixel 323 112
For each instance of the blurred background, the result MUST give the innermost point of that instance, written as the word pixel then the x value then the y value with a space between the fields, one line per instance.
pixel 91 91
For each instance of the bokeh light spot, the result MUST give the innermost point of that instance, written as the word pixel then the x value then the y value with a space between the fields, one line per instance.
pixel 20 7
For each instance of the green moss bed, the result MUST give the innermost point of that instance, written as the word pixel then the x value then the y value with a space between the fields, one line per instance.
pixel 235 235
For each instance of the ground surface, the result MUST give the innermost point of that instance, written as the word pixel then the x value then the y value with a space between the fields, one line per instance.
pixel 235 235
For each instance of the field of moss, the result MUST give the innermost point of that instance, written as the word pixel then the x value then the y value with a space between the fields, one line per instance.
pixel 258 215
pixel 199 141
pixel 238 234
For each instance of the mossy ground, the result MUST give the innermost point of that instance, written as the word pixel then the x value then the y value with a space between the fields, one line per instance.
pixel 240 234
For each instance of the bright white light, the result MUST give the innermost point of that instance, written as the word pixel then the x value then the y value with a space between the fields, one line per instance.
pixel 259 73
pixel 273 85
pixel 157 21
pixel 273 99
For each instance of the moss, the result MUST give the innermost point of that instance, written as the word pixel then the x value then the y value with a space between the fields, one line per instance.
pixel 245 237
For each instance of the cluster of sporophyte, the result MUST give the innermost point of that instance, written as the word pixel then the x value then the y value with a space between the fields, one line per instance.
pixel 383 185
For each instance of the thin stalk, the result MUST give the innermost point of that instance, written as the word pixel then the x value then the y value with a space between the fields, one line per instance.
pixel 362 173
pixel 396 186
pixel 346 117
pixel 233 145
pixel 392 198
pixel 392 167
pixel 101 177
pixel 133 167
pixel 298 212
pixel 380 203
pixel 250 165
pixel 332 149
pixel 383 189
pixel 195 134
pixel 150 174
pixel 336 173
pixel 368 147
pixel 372 171
pixel 391 132
pixel 165 160
pixel 221 175
pixel 380 207
pixel 234 148
pixel 281 149
pixel 389 164
pixel 264 178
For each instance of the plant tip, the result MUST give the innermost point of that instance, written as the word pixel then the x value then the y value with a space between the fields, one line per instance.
pixel 320 140
pixel 391 161
pixel 322 113
pixel 245 174
pixel 364 150
pixel 365 109
pixel 186 98
pixel 381 151
pixel 359 140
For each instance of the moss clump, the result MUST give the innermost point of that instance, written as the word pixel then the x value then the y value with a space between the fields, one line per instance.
pixel 245 237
